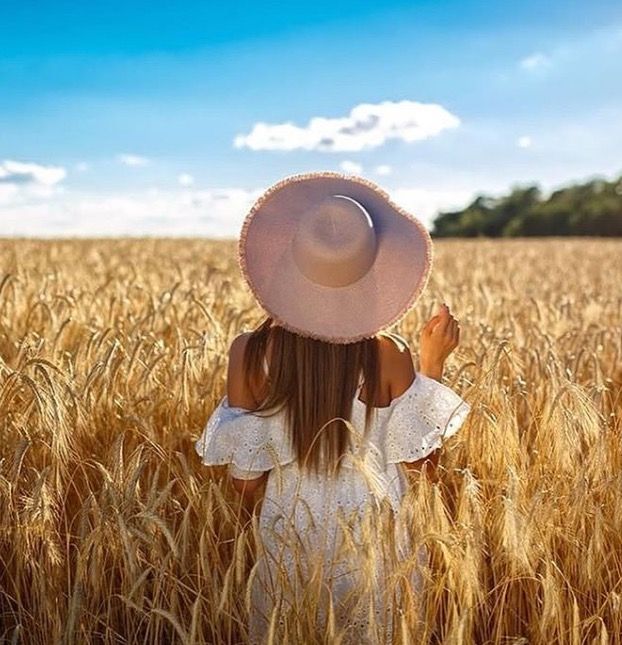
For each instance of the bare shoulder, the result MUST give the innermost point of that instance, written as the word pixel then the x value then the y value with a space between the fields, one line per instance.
pixel 236 354
pixel 240 340
pixel 238 345
pixel 393 341
pixel 238 392
pixel 396 362
pixel 394 350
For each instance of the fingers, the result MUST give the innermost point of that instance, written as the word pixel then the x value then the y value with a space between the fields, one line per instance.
pixel 443 325
pixel 453 331
pixel 448 326
pixel 429 326
pixel 445 319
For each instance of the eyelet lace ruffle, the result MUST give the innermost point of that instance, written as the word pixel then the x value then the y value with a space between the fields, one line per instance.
pixel 249 443
pixel 420 419
pixel 410 428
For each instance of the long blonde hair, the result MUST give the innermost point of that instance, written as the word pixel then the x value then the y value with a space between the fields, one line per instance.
pixel 315 382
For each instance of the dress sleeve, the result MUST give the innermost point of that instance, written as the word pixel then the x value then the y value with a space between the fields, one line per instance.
pixel 248 443
pixel 421 418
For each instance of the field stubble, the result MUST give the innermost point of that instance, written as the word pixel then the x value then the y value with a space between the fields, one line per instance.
pixel 113 355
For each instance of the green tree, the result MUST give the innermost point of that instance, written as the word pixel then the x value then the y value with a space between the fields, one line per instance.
pixel 592 208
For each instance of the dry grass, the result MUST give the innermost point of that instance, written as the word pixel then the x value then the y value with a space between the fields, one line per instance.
pixel 112 355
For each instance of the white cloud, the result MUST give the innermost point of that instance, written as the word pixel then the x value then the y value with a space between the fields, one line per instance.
pixel 524 142
pixel 383 170
pixel 18 173
pixel 367 126
pixel 175 213
pixel 208 213
pixel 185 179
pixel 132 160
pixel 21 181
pixel 351 167
pixel 535 61
pixel 598 48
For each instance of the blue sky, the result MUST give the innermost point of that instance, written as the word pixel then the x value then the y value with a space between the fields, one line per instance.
pixel 146 118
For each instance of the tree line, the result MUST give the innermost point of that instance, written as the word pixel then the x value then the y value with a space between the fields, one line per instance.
pixel 592 208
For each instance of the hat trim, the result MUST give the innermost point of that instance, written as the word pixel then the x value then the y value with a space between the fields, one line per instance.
pixel 382 193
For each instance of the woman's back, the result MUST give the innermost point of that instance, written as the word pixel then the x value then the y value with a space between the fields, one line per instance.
pixel 304 513
pixel 391 380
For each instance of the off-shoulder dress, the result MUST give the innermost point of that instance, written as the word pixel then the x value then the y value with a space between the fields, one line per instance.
pixel 303 515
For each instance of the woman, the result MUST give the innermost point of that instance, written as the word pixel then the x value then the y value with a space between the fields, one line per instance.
pixel 324 408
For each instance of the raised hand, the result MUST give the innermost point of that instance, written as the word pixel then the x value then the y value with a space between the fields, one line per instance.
pixel 439 337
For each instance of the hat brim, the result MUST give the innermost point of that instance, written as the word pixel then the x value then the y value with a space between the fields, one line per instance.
pixel 345 314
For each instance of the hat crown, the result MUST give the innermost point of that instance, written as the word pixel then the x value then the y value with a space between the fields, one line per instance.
pixel 335 242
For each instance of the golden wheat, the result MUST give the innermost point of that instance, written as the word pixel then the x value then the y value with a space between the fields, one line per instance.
pixel 113 355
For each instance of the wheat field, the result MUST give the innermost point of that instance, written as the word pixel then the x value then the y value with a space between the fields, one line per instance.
pixel 113 355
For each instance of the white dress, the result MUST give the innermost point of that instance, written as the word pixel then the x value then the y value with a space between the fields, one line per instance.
pixel 304 517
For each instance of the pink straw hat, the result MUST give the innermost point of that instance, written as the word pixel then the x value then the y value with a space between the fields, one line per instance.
pixel 331 257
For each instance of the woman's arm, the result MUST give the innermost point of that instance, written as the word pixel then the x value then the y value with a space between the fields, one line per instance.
pixel 439 338
pixel 239 395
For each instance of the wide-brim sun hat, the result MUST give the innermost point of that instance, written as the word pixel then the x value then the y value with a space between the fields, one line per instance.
pixel 330 256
